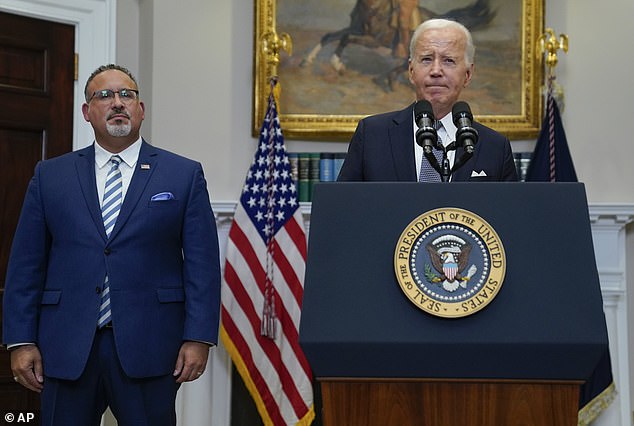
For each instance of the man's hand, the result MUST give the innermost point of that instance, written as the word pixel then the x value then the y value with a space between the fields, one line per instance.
pixel 191 362
pixel 26 364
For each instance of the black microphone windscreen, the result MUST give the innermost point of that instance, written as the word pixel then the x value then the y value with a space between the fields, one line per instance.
pixel 460 110
pixel 423 108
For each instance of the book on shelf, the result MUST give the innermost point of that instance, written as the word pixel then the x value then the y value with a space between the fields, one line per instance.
pixel 303 173
pixel 309 168
pixel 313 172
pixel 326 167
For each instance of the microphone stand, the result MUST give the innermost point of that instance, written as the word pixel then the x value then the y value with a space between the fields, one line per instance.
pixel 445 172
pixel 443 168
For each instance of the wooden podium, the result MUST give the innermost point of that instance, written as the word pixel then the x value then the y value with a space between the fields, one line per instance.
pixel 416 402
pixel 519 361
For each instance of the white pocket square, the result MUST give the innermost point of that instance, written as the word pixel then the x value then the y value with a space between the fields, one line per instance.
pixel 478 174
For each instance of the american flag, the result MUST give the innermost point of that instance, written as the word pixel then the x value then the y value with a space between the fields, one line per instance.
pixel 263 285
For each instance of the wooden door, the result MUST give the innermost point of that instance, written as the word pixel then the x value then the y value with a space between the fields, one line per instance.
pixel 37 69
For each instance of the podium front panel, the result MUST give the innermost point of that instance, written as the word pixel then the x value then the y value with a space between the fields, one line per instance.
pixel 546 322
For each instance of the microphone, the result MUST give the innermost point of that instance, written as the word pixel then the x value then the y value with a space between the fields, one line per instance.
pixel 466 135
pixel 426 135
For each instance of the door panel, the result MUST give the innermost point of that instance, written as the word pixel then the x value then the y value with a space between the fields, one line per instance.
pixel 36 122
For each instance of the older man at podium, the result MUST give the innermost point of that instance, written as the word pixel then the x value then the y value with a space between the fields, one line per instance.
pixel 383 147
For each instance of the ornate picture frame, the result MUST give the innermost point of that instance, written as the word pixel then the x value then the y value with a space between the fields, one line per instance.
pixel 324 95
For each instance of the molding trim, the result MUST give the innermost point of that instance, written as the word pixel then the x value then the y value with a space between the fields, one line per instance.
pixel 620 214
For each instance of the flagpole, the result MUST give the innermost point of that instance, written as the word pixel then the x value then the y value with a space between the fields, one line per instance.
pixel 272 44
pixel 548 45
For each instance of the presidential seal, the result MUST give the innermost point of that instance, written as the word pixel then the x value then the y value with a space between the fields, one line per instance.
pixel 450 262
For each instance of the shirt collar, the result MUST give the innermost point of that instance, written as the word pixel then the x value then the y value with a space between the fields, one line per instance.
pixel 130 155
pixel 450 127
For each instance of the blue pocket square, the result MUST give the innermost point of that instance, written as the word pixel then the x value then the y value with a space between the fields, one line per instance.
pixel 162 196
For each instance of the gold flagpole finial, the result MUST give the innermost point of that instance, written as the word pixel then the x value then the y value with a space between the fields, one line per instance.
pixel 272 44
pixel 548 45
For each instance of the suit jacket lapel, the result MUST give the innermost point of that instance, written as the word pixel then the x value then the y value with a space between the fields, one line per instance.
pixel 460 175
pixel 85 166
pixel 401 139
pixel 145 166
pixel 463 174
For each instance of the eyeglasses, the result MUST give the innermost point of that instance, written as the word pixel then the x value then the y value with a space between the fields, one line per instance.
pixel 107 95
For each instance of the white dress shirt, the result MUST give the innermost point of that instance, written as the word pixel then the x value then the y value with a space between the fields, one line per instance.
pixel 129 157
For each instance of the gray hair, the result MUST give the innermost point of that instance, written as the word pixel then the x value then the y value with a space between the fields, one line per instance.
pixel 107 68
pixel 437 24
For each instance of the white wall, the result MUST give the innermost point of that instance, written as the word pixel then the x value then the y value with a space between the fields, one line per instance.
pixel 596 76
pixel 198 86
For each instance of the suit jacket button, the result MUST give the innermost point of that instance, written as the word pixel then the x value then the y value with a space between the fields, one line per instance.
pixel 107 251
pixel 98 290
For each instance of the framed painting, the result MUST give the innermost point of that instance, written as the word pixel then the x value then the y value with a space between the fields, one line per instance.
pixel 347 62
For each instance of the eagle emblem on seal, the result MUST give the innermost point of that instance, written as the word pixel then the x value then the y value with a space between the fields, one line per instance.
pixel 449 255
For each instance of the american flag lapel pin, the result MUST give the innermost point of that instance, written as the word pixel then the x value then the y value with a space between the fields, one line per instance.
pixel 145 167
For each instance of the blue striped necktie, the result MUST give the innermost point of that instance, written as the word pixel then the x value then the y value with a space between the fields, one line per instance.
pixel 112 200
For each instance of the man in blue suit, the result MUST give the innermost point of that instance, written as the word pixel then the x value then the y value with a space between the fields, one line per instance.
pixel 384 148
pixel 113 285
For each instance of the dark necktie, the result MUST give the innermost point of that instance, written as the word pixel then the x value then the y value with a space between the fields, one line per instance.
pixel 427 172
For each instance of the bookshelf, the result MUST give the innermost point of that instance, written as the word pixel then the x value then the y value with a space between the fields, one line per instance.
pixel 308 168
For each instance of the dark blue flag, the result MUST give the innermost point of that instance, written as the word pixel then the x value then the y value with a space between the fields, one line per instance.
pixel 551 161
pixel 597 393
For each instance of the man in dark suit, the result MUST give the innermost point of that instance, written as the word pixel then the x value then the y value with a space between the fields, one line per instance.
pixel 113 285
pixel 383 147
